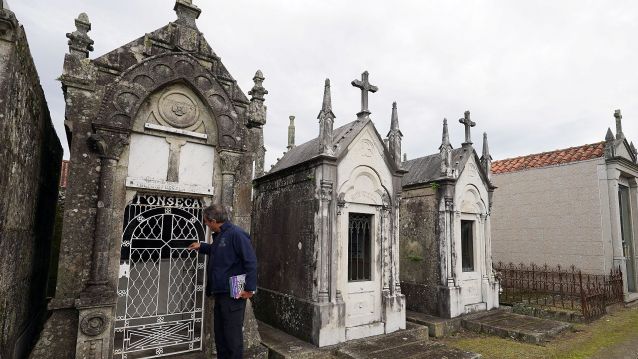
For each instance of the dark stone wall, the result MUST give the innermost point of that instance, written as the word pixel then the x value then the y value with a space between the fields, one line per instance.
pixel 284 233
pixel 286 312
pixel 283 230
pixel 30 157
pixel 419 249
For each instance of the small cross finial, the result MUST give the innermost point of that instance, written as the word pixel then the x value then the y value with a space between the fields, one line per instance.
pixel 365 87
pixel 468 123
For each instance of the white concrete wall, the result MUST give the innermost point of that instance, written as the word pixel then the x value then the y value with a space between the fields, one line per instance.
pixel 551 215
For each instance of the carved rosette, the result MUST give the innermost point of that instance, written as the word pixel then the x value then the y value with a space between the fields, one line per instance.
pixel 94 323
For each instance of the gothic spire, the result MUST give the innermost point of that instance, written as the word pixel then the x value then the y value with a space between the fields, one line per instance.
pixel 291 133
pixel 80 44
pixel 445 151
pixel 618 116
pixel 394 136
pixel 610 146
pixel 326 120
pixel 326 106
pixel 486 158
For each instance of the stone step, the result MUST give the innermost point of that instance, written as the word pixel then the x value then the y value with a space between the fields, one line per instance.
pixel 438 327
pixel 285 346
pixel 414 350
pixel 515 326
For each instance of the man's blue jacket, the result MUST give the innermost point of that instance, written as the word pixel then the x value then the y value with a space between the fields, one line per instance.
pixel 230 254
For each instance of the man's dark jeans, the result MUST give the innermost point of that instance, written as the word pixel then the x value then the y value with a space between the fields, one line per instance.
pixel 229 322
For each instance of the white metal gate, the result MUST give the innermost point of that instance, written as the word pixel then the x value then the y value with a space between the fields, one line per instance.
pixel 160 290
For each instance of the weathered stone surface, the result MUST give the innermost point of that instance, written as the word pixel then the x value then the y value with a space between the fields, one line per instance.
pixel 515 326
pixel 30 157
pixel 171 79
pixel 420 274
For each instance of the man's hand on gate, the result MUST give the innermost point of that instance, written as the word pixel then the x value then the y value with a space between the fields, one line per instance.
pixel 245 295
pixel 194 246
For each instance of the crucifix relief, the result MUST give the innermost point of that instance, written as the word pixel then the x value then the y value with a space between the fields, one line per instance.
pixel 173 159
pixel 365 87
pixel 467 123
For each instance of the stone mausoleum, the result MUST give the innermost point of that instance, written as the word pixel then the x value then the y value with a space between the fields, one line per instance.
pixel 325 228
pixel 30 155
pixel 575 206
pixel 446 255
pixel 157 130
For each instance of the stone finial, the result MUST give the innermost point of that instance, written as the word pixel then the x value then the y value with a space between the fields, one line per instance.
pixel 610 135
pixel 468 123
pixel 186 12
pixel 326 105
pixel 618 116
pixel 291 133
pixel 405 157
pixel 256 108
pixel 486 158
pixel 365 87
pixel 633 150
pixel 80 44
pixel 258 91
pixel 394 136
pixel 326 121
pixel 445 152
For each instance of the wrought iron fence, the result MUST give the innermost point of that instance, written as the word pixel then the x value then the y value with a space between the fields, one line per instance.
pixel 558 287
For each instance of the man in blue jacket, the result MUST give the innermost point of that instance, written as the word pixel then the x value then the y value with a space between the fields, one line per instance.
pixel 229 255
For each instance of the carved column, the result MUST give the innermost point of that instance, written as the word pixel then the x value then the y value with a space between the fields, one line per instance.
pixel 97 302
pixel 394 249
pixel 109 146
pixel 449 241
pixel 325 245
pixel 230 163
pixel 386 235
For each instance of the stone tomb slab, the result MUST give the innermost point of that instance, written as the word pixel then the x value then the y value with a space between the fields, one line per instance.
pixel 409 343
pixel 516 326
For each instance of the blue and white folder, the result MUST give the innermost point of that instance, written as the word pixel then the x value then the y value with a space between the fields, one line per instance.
pixel 237 284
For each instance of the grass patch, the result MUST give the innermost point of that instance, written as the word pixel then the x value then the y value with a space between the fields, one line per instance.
pixel 585 341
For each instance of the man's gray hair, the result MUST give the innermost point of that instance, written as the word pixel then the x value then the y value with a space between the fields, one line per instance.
pixel 216 212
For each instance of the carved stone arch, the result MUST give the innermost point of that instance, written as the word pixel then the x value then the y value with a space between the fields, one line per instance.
pixel 125 96
pixel 471 201
pixel 364 185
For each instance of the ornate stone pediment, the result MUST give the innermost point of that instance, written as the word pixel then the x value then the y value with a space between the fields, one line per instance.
pixel 177 108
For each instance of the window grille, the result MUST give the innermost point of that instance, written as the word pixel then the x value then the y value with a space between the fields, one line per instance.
pixel 467 246
pixel 359 247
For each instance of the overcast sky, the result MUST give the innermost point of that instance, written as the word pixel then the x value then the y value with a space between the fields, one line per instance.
pixel 536 75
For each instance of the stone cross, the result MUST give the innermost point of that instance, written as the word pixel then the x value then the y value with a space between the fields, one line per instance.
pixel 467 123
pixel 365 87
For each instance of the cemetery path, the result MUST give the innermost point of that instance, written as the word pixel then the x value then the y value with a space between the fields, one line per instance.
pixel 627 349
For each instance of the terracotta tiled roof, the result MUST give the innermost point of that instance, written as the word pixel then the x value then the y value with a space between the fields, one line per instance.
pixel 64 173
pixel 552 158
